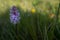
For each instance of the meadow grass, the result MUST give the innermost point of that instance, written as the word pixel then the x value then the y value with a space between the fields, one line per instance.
pixel 38 25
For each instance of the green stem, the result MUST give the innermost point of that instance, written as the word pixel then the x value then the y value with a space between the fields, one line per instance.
pixel 16 31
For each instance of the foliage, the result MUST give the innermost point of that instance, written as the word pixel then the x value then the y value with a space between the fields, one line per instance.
pixel 32 26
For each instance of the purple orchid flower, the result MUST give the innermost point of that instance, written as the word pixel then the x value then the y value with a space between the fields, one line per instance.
pixel 14 15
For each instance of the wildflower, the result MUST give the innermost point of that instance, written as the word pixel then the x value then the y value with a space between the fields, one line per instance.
pixel 14 15
pixel 33 10
pixel 51 15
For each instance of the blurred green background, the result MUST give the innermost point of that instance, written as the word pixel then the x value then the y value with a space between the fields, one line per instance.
pixel 40 20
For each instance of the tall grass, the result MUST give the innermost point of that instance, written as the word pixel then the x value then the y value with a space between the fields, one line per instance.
pixel 39 25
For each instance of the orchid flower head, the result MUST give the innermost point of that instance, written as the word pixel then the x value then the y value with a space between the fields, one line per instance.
pixel 14 15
